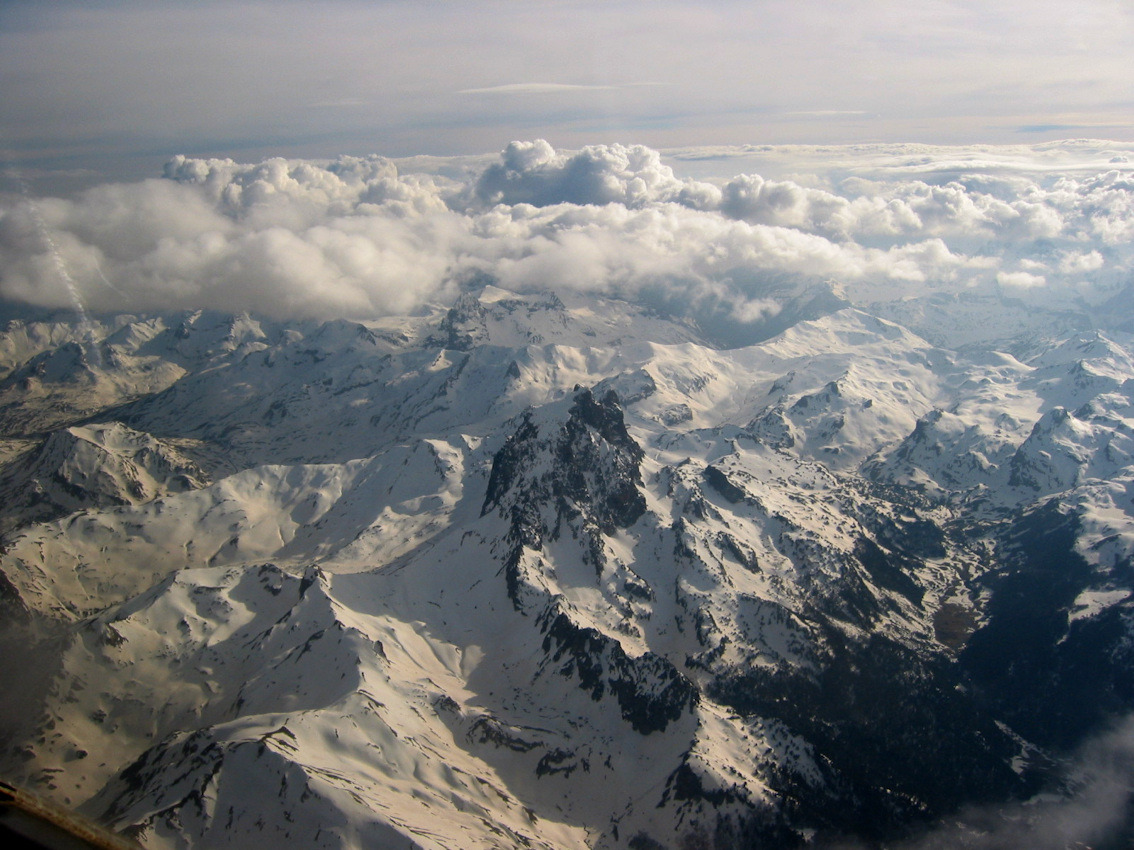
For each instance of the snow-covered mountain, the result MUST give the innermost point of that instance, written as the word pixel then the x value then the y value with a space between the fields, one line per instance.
pixel 559 572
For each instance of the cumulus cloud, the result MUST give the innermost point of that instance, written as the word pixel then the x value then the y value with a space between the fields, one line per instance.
pixel 1020 280
pixel 882 213
pixel 357 237
pixel 292 239
pixel 535 173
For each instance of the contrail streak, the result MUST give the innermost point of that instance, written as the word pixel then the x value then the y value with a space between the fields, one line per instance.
pixel 86 327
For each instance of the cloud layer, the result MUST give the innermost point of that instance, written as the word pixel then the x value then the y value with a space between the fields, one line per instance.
pixel 354 237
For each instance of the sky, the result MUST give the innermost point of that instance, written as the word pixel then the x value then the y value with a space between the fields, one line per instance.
pixel 112 89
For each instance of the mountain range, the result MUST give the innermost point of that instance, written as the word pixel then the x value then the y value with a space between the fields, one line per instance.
pixel 565 571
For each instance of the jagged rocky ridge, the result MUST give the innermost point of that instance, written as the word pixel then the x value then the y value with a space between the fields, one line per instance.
pixel 528 572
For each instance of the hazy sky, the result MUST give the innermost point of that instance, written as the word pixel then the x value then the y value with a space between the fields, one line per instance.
pixel 121 86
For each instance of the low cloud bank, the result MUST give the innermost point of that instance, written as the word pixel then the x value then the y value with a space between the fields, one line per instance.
pixel 1095 812
pixel 356 238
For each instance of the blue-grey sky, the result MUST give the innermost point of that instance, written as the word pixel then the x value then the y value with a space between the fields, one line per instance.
pixel 118 87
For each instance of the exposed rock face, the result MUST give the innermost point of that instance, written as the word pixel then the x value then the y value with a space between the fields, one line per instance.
pixel 650 691
pixel 464 326
pixel 583 473
pixel 590 466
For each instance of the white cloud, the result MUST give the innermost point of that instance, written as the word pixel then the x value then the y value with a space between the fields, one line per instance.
pixel 1020 280
pixel 535 173
pixel 356 237
pixel 1074 262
